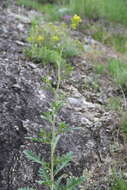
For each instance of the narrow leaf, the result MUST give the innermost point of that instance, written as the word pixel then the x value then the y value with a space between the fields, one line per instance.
pixel 33 157
pixel 60 179
pixel 63 162
pixel 55 141
pixel 73 182
pixel 37 139
pixel 44 173
pixel 43 182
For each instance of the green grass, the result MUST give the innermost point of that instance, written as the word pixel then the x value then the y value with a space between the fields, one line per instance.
pixel 123 123
pixel 115 104
pixel 107 33
pixel 51 11
pixel 31 4
pixel 99 68
pixel 117 41
pixel 113 10
pixel 119 183
pixel 118 71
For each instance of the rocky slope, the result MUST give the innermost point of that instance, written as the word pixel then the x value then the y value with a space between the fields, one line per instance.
pixel 98 146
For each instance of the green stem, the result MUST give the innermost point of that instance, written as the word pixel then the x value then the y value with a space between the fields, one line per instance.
pixel 54 121
pixel 58 78
pixel 52 153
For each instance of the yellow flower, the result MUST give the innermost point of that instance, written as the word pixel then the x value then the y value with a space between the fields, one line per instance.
pixel 76 19
pixel 39 38
pixel 55 38
pixel 74 26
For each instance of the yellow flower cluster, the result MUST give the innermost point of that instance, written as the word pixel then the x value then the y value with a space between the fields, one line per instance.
pixel 75 21
pixel 39 39
pixel 55 38
pixel 76 18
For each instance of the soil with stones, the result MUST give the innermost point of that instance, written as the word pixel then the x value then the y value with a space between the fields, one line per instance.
pixel 97 145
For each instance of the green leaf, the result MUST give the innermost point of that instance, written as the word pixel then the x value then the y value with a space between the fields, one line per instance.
pixel 45 172
pixel 45 134
pixel 37 139
pixel 55 141
pixel 43 182
pixel 63 127
pixel 73 182
pixel 57 183
pixel 75 128
pixel 63 162
pixel 57 105
pixel 47 116
pixel 33 157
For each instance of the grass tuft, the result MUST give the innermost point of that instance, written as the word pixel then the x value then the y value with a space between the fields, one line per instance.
pixel 118 71
pixel 119 183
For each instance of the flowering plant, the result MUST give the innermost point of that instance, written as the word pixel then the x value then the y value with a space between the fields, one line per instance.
pixel 75 21
pixel 48 39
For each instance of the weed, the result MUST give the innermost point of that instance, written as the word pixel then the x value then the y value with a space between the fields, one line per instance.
pixel 52 44
pixel 99 68
pixel 52 11
pixel 123 122
pixel 114 10
pixel 47 41
pixel 100 33
pixel 31 4
pixel 84 7
pixel 119 183
pixel 108 37
pixel 120 43
pixel 118 71
pixel 115 103
pixel 49 171
pixel 76 20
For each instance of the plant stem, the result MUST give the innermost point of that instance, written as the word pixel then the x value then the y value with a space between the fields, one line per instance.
pixel 58 78
pixel 53 124
pixel 52 152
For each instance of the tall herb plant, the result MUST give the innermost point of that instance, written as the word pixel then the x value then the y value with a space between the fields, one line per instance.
pixel 49 171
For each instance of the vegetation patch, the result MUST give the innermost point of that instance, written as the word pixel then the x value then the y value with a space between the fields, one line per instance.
pixel 115 104
pixel 119 183
pixel 123 122
pixel 53 12
pixel 118 71
pixel 114 10
pixel 50 42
